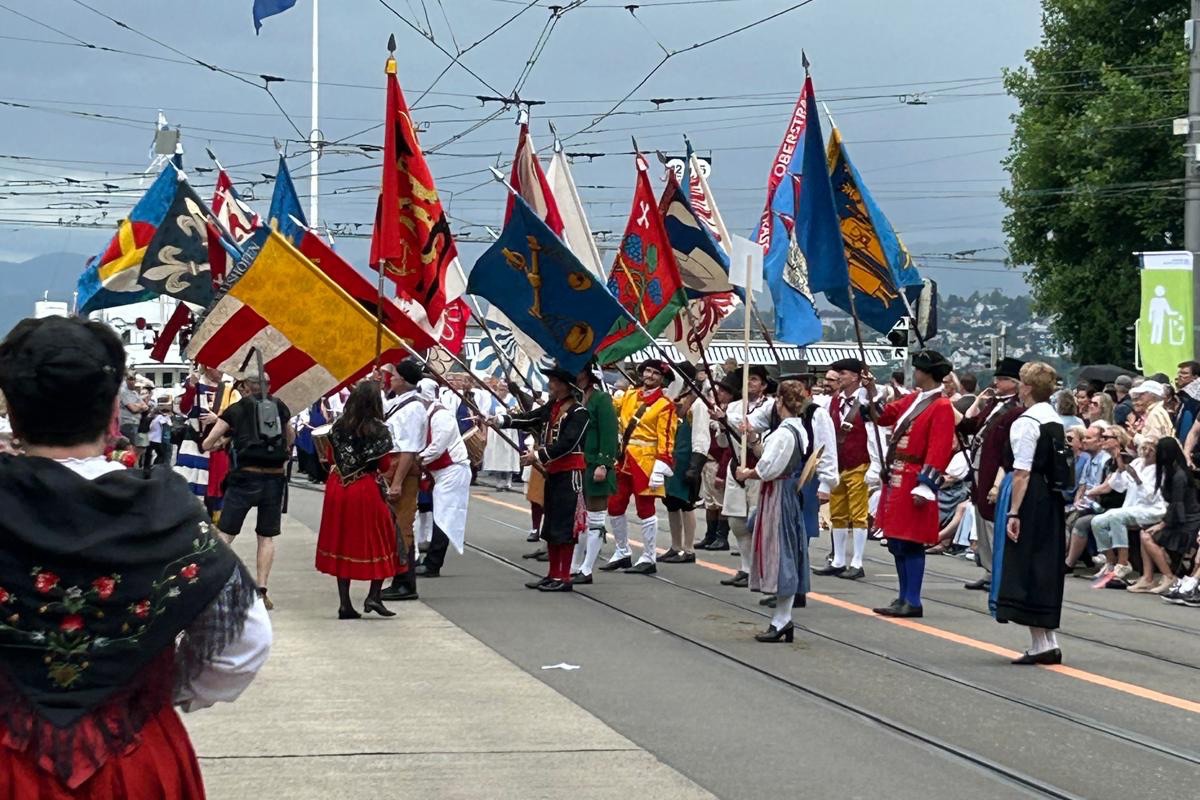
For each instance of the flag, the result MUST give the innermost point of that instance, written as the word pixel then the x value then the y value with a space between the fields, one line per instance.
pixel 285 205
pixel 411 240
pixel 313 336
pixel 269 8
pixel 176 262
pixel 800 232
pixel 696 327
pixel 239 220
pixel 703 265
pixel 575 229
pixel 512 354
pixel 644 277
pixel 416 331
pixel 112 278
pixel 880 266
pixel 543 289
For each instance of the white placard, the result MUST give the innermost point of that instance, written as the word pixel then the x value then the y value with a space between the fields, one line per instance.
pixel 745 257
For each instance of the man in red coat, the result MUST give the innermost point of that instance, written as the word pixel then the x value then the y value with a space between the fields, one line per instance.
pixel 922 442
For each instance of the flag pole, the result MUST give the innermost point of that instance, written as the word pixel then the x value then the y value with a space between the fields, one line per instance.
pixel 389 68
pixel 749 310
pixel 379 315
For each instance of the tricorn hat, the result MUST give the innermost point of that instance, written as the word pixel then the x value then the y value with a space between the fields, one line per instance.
pixel 564 375
pixel 656 364
pixel 933 363
pixel 848 365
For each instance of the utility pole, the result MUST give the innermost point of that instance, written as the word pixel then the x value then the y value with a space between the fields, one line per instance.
pixel 1191 208
pixel 314 136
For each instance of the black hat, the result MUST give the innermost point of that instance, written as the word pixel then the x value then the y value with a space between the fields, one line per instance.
pixel 848 365
pixel 565 376
pixel 593 373
pixel 688 371
pixel 732 383
pixel 933 363
pixel 797 371
pixel 1009 368
pixel 760 372
pixel 657 364
pixel 410 371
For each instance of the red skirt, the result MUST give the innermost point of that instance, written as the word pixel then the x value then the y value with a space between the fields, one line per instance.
pixel 218 468
pixel 160 765
pixel 357 540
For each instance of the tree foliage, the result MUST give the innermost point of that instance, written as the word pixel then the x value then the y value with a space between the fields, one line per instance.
pixel 1096 172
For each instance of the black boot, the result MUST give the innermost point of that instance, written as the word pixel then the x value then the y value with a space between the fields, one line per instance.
pixel 710 535
pixel 721 539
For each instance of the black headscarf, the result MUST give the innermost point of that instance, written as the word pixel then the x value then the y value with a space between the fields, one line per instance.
pixel 97 580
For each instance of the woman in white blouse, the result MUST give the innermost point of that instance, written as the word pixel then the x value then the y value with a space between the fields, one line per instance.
pixel 1029 548
pixel 779 562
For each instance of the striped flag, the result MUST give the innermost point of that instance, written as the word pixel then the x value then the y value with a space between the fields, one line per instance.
pixel 575 229
pixel 313 337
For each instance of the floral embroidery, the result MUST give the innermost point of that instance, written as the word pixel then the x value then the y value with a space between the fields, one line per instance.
pixel 62 624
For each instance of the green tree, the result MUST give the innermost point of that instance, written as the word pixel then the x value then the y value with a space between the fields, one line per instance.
pixel 1096 171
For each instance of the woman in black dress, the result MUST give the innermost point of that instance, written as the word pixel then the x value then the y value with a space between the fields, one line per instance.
pixel 1173 536
pixel 1029 549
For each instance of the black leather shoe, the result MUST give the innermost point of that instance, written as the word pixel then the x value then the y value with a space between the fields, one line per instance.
pixel 704 543
pixel 741 580
pixel 686 558
pixel 542 556
pixel 533 536
pixel 670 557
pixel 398 593
pixel 425 572
pixel 580 579
pixel 538 583
pixel 641 568
pixel 904 610
pixel 348 613
pixel 620 563
pixel 378 607
pixel 981 585
pixel 889 609
pixel 541 551
pixel 555 586
pixel 829 569
pixel 769 602
pixel 787 633
pixel 1048 657
pixel 719 544
pixel 852 573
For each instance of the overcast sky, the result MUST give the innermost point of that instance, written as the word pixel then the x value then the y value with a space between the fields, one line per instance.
pixel 934 168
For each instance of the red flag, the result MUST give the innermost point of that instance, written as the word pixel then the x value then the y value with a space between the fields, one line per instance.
pixel 454 325
pixel 415 332
pixel 530 182
pixel 411 240
pixel 237 217
pixel 162 343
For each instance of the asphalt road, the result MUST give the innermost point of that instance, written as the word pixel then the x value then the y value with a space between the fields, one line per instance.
pixel 858 706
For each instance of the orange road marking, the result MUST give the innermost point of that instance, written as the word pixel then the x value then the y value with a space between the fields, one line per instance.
pixel 1133 689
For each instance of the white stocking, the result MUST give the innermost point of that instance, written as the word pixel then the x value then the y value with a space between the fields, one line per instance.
pixel 595 540
pixel 860 547
pixel 783 611
pixel 839 546
pixel 620 529
pixel 649 536
pixel 744 540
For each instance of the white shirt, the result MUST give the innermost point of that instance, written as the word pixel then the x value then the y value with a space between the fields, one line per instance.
pixel 823 436
pixel 408 425
pixel 779 447
pixel 1143 494
pixel 231 671
pixel 1023 436
pixel 443 437
pixel 701 432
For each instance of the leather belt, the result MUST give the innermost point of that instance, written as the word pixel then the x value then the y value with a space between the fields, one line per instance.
pixel 909 459
pixel 263 470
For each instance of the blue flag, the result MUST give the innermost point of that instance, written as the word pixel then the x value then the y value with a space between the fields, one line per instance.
pixel 285 204
pixel 112 278
pixel 800 227
pixel 880 266
pixel 703 265
pixel 543 289
pixel 269 8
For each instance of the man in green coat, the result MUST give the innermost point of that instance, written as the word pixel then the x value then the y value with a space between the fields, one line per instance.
pixel 600 446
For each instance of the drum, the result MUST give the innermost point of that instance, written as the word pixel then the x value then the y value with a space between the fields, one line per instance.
pixel 320 435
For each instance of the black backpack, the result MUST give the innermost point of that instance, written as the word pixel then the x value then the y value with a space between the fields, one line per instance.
pixel 264 439
pixel 1061 475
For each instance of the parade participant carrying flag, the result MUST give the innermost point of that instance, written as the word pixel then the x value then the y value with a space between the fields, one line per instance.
pixel 531 276
pixel 286 215
pixel 644 277
pixel 880 266
pixel 113 277
pixel 808 258
pixel 411 242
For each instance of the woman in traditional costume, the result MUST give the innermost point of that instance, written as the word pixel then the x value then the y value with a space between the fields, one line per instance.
pixel 117 599
pixel 779 547
pixel 357 540
pixel 1029 547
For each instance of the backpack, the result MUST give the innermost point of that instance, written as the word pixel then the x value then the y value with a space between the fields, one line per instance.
pixel 1061 474
pixel 264 441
